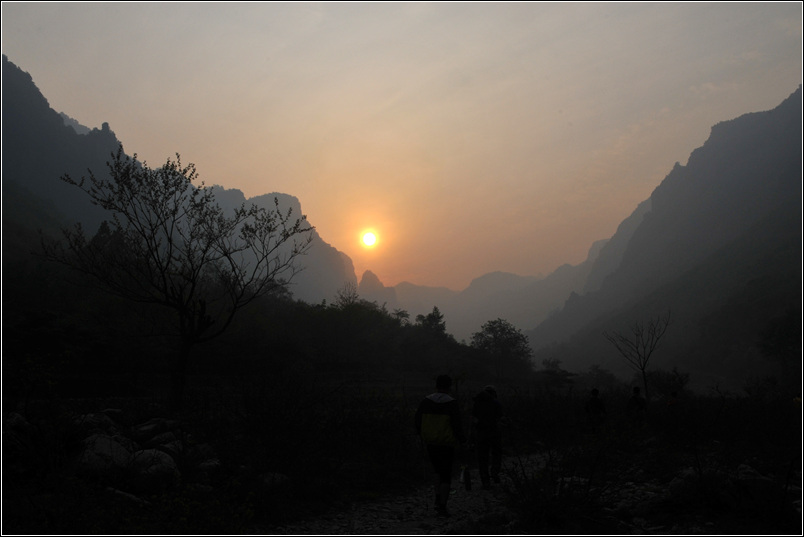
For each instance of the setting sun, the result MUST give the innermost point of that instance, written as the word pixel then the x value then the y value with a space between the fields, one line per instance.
pixel 369 239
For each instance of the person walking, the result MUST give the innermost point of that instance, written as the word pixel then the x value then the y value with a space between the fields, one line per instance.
pixel 486 414
pixel 637 408
pixel 595 410
pixel 438 423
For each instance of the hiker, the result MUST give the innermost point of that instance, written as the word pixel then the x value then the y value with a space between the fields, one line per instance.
pixel 486 414
pixel 438 423
pixel 637 408
pixel 672 416
pixel 595 410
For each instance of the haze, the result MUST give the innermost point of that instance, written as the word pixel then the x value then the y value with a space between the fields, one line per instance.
pixel 471 137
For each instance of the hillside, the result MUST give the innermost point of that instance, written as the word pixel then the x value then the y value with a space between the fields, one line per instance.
pixel 720 248
pixel 41 145
pixel 523 301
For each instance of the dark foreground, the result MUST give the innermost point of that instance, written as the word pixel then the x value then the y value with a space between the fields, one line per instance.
pixel 347 463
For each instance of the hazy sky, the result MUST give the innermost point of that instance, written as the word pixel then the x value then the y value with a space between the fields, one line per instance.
pixel 471 137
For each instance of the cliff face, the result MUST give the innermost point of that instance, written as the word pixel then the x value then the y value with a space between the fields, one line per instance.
pixel 722 229
pixel 325 270
pixel 38 148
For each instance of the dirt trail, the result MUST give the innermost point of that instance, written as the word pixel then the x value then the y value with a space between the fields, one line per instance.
pixel 413 514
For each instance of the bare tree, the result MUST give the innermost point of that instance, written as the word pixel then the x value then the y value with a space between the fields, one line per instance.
pixel 170 244
pixel 638 346
pixel 347 295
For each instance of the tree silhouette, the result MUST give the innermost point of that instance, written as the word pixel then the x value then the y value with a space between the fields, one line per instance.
pixel 504 342
pixel 169 244
pixel 638 346
pixel 347 296
pixel 402 316
pixel 433 322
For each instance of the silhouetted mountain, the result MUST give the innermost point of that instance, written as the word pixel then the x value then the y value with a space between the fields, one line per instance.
pixel 77 127
pixel 611 253
pixel 372 289
pixel 38 148
pixel 41 145
pixel 420 299
pixel 325 269
pixel 523 301
pixel 719 245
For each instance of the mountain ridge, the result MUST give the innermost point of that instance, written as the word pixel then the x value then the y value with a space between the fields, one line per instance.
pixel 703 218
pixel 72 149
pixel 744 181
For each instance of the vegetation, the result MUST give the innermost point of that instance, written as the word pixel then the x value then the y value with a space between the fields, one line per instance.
pixel 505 343
pixel 172 246
pixel 638 346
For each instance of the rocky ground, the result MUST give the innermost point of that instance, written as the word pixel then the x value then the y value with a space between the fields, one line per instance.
pixel 413 514
pixel 647 489
pixel 634 506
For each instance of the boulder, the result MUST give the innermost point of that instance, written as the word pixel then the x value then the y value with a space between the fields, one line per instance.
pixel 17 423
pixel 175 449
pixel 271 480
pixel 755 487
pixel 153 470
pixel 153 427
pixel 210 471
pixel 162 439
pixel 103 457
pixel 95 422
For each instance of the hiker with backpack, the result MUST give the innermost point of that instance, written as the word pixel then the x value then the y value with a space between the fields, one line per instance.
pixel 438 423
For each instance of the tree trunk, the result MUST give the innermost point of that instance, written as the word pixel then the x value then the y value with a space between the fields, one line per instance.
pixel 645 384
pixel 178 377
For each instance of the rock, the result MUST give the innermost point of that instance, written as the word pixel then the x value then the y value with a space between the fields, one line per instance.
pixel 15 422
pixel 198 453
pixel 18 444
pixel 103 457
pixel 127 496
pixel 126 442
pixel 175 448
pixel 161 439
pixel 273 479
pixel 201 488
pixel 210 471
pixel 95 422
pixel 153 427
pixel 755 487
pixel 153 470
pixel 678 486
pixel 746 473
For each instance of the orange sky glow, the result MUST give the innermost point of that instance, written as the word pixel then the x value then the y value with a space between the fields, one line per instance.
pixel 471 137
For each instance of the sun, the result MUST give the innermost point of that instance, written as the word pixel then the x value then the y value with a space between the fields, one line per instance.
pixel 369 239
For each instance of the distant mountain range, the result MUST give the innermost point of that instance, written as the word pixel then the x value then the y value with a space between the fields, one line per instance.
pixel 523 301
pixel 718 244
pixel 40 145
